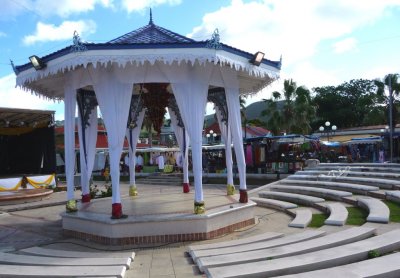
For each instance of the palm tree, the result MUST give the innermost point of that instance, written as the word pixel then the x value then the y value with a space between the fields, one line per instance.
pixel 296 113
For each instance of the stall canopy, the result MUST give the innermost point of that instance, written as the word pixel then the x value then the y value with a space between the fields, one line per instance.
pixel 366 140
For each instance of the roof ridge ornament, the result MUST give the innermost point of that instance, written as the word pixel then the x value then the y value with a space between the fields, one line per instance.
pixel 151 18
pixel 214 42
pixel 16 71
pixel 78 45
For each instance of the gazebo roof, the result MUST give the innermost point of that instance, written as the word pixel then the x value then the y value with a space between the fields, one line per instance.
pixel 151 33
pixel 149 44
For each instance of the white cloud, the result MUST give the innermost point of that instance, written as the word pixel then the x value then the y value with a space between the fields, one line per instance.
pixel 2 34
pixel 49 32
pixel 65 8
pixel 11 9
pixel 345 45
pixel 288 27
pixel 140 5
pixel 13 97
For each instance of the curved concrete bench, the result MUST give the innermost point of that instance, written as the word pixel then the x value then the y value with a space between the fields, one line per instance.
pixel 262 256
pixel 381 175
pixel 291 197
pixel 344 254
pixel 381 183
pixel 360 168
pixel 378 165
pixel 338 214
pixel 302 219
pixel 386 266
pixel 10 258
pixel 76 254
pixel 289 239
pixel 378 211
pixel 274 204
pixel 7 270
pixel 350 187
pixel 313 191
pixel 262 237
pixel 393 196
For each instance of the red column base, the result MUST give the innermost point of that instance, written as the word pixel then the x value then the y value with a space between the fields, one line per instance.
pixel 243 196
pixel 116 211
pixel 186 187
pixel 86 198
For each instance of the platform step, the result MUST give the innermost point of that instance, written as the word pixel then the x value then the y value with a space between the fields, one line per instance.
pixel 302 219
pixel 331 257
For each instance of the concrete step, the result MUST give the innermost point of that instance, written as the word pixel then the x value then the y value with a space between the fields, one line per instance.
pixel 312 191
pixel 393 196
pixel 378 210
pixel 349 187
pixel 10 258
pixel 385 266
pixel 381 175
pixel 337 214
pixel 291 197
pixel 331 257
pixel 16 271
pixel 261 237
pixel 75 254
pixel 289 239
pixel 381 183
pixel 263 256
pixel 302 219
pixel 273 204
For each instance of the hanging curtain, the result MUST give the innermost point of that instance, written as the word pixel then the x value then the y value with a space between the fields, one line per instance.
pixel 190 86
pixel 114 102
pixel 89 145
pixel 133 136
pixel 69 138
pixel 235 123
pixel 226 135
pixel 183 144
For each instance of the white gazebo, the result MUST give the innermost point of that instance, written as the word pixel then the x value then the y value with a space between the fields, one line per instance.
pixel 121 76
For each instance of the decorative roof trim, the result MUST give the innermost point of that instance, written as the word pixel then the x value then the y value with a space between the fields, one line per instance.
pixel 63 62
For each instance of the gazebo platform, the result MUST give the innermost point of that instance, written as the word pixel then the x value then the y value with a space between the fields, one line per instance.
pixel 160 214
pixel 23 196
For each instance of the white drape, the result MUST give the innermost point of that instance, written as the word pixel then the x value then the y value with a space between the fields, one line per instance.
pixel 226 136
pixel 69 137
pixel 114 101
pixel 184 148
pixel 190 86
pixel 90 145
pixel 132 140
pixel 234 121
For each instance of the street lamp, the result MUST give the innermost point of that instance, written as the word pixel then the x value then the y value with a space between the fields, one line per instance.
pixel 211 135
pixel 328 131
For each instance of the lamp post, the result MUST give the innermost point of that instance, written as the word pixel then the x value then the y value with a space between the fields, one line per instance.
pixel 328 130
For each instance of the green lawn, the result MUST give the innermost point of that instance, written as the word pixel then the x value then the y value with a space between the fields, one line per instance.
pixel 318 220
pixel 394 211
pixel 357 216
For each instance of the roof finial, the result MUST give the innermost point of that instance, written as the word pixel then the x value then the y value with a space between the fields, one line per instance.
pixel 151 17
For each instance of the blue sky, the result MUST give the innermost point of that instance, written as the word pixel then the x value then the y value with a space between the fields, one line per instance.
pixel 322 42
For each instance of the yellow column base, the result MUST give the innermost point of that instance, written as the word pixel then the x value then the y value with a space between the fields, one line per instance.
pixel 199 208
pixel 71 206
pixel 133 190
pixel 230 189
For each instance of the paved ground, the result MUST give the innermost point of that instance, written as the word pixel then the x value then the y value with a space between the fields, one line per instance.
pixel 41 226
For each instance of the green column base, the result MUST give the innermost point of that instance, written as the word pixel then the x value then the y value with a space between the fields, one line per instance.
pixel 199 207
pixel 71 206
pixel 230 189
pixel 133 190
